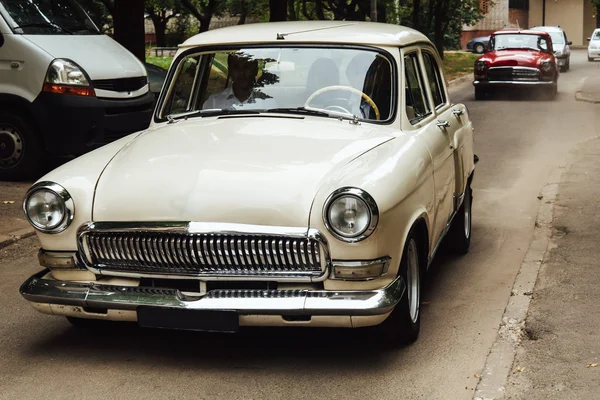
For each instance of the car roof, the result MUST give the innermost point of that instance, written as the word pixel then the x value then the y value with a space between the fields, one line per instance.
pixel 347 32
pixel 521 31
pixel 547 28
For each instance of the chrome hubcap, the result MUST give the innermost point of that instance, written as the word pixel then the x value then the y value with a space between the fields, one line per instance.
pixel 413 281
pixel 11 147
pixel 468 215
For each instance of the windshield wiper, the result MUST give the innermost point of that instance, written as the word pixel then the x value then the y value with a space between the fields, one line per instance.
pixel 299 110
pixel 209 113
pixel 79 28
pixel 44 25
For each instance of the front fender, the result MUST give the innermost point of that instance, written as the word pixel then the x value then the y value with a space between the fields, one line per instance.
pixel 399 176
pixel 79 178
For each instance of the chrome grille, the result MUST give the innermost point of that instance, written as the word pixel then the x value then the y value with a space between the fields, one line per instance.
pixel 513 74
pixel 185 254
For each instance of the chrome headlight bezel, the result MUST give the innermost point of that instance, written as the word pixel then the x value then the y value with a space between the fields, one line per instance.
pixel 546 66
pixel 67 203
pixel 360 195
pixel 480 66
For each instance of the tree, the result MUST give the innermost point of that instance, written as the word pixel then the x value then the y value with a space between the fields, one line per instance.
pixel 161 12
pixel 204 10
pixel 129 26
pixel 596 4
pixel 278 10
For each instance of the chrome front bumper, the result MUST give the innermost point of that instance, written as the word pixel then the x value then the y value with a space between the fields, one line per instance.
pixel 41 289
pixel 513 83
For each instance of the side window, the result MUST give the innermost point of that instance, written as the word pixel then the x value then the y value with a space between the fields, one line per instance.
pixel 181 99
pixel 434 79
pixel 417 106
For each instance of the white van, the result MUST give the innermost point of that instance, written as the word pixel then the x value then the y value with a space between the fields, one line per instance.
pixel 65 88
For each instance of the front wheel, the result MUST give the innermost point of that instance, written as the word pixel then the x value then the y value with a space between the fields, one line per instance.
pixel 460 232
pixel 21 152
pixel 404 323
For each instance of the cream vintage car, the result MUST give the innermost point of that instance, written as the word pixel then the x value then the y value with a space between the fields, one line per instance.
pixel 295 174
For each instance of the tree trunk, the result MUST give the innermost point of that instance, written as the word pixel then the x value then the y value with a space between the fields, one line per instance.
pixel 205 23
pixel 129 26
pixel 160 29
pixel 278 10
pixel 319 9
pixel 598 16
pixel 416 11
pixel 292 10
pixel 243 12
pixel 438 33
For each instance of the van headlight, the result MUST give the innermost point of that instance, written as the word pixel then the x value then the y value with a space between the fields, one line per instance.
pixel 48 207
pixel 350 214
pixel 66 77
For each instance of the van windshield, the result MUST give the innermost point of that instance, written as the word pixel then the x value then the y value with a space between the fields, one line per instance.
pixel 47 17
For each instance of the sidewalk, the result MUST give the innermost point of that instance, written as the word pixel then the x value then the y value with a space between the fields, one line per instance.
pixel 13 224
pixel 559 355
pixel 589 89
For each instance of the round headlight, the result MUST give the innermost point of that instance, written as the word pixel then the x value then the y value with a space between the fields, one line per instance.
pixel 480 66
pixel 48 207
pixel 546 66
pixel 350 214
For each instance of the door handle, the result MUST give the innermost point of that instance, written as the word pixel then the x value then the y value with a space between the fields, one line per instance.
pixel 442 124
pixel 457 113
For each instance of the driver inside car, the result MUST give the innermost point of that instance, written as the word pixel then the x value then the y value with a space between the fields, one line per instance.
pixel 242 72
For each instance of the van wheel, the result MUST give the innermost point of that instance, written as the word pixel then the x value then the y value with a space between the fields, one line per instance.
pixel 479 48
pixel 459 236
pixel 404 323
pixel 21 152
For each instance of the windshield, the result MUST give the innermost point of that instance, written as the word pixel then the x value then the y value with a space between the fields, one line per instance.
pixel 557 38
pixel 336 82
pixel 520 41
pixel 596 35
pixel 47 17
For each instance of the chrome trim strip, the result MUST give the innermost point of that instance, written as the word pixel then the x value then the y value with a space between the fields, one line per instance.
pixel 61 192
pixel 362 195
pixel 525 83
pixel 211 251
pixel 515 68
pixel 261 302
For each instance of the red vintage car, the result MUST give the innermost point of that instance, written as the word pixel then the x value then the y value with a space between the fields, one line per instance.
pixel 517 58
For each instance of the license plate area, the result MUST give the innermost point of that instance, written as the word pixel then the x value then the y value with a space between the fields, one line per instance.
pixel 191 320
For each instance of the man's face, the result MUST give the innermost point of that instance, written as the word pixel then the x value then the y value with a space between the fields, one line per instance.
pixel 243 72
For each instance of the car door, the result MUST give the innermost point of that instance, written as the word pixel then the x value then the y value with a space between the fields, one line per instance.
pixel 421 112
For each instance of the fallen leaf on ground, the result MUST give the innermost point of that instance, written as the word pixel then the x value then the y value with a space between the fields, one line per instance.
pixel 592 365
pixel 475 375
pixel 426 303
pixel 8 201
pixel 520 369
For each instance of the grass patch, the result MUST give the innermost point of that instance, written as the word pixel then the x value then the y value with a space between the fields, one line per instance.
pixel 163 62
pixel 458 64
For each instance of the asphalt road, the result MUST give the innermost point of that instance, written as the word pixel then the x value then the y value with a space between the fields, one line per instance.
pixel 519 140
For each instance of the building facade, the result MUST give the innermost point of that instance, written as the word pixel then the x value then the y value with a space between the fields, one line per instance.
pixel 577 17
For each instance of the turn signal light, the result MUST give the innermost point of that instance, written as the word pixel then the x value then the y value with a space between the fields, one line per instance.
pixel 70 89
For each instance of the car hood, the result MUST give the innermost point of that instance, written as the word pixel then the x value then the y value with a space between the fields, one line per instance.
pixel 99 55
pixel 515 58
pixel 251 170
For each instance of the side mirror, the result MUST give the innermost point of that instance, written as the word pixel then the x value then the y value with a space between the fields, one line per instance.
pixel 588 39
pixel 569 43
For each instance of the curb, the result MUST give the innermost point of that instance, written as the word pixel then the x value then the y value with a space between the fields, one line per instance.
pixel 583 96
pixel 499 362
pixel 7 240
pixel 460 81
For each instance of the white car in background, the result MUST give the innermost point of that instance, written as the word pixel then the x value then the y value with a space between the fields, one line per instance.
pixel 594 46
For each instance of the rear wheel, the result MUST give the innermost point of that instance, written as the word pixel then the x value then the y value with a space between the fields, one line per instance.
pixel 590 59
pixel 479 48
pixel 404 323
pixel 459 236
pixel 21 152
pixel 568 65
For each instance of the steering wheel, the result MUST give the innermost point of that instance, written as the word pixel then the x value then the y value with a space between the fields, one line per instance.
pixel 348 89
